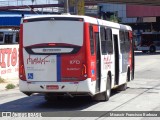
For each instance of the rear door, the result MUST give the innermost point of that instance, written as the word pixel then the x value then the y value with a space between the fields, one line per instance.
pixel 98 58
pixel 116 60
pixel 53 49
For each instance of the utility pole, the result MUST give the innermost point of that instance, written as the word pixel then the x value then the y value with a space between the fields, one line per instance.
pixel 66 7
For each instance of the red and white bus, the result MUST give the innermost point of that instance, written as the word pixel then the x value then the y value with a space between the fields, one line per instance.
pixel 150 41
pixel 74 55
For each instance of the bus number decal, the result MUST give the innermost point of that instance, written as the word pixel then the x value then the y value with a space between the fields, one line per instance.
pixel 75 62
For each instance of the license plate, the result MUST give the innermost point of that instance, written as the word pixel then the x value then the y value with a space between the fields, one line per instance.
pixel 52 87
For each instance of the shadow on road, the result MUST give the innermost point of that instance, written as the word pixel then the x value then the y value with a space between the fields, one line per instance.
pixel 36 103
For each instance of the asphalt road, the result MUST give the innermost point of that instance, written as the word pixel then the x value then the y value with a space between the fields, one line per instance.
pixel 142 94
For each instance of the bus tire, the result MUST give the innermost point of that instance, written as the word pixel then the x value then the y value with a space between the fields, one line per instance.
pixel 122 87
pixel 128 75
pixel 105 95
pixel 132 75
pixel 152 49
pixel 27 93
pixel 108 88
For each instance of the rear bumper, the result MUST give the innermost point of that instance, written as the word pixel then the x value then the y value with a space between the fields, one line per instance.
pixel 86 86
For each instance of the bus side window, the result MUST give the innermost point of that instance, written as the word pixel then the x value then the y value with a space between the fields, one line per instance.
pixel 91 40
pixel 127 42
pixel 1 37
pixel 103 40
pixel 109 41
pixel 8 39
pixel 122 41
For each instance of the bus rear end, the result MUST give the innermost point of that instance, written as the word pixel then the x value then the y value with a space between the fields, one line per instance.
pixel 52 56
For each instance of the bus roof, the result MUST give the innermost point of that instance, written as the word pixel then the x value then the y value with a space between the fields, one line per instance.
pixel 88 19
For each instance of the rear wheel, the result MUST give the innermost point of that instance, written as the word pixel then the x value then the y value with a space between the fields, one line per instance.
pixel 132 75
pixel 105 95
pixel 122 87
pixel 108 89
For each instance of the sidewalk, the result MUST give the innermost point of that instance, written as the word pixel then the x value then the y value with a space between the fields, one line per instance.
pixel 3 85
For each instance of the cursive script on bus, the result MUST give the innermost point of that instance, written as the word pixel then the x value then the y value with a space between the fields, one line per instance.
pixel 37 60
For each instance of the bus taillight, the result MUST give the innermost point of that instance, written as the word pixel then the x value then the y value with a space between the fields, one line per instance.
pixel 22 75
pixel 84 71
pixel 51 44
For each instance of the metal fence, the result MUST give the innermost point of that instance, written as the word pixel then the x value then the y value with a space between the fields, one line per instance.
pixel 25 2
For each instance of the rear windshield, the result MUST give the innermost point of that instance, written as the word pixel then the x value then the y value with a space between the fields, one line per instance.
pixel 53 31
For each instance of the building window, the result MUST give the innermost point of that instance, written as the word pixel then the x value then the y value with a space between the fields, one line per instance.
pixel 1 37
pixel 8 39
pixel 17 37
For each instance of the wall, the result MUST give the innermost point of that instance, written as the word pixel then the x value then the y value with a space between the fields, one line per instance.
pixel 142 11
pixel 9 61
